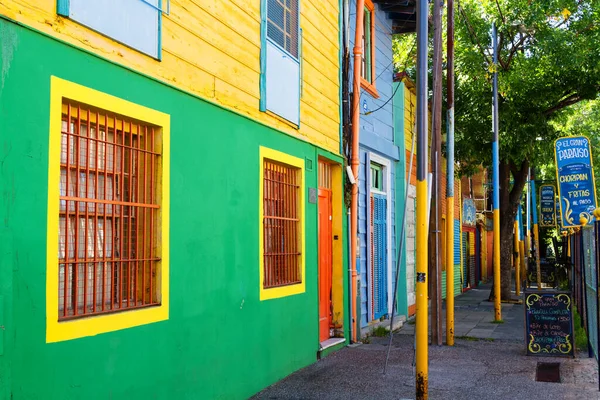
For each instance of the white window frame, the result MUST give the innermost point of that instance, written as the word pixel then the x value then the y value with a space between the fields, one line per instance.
pixel 387 184
pixel 277 92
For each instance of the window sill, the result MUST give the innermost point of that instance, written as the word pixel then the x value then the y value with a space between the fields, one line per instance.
pixel 282 119
pixel 369 88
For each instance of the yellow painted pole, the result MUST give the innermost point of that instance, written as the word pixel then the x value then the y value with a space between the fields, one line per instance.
pixel 522 259
pixel 422 248
pixel 497 305
pixel 536 239
pixel 422 331
pixel 517 259
pixel 450 272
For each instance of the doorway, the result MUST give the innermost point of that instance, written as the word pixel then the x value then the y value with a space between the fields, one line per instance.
pixel 325 252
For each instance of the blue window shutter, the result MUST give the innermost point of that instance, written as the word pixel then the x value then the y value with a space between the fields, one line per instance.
pixel 465 261
pixel 280 60
pixel 380 256
pixel 135 23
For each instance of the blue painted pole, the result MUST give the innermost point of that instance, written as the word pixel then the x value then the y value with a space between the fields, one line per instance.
pixel 536 232
pixel 528 216
pixel 496 182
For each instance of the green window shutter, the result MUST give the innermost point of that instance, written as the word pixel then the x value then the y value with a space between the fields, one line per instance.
pixel 368 45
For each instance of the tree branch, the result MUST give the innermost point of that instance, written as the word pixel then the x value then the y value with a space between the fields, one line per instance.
pixel 472 34
pixel 500 11
pixel 566 102
pixel 514 50
pixel 500 44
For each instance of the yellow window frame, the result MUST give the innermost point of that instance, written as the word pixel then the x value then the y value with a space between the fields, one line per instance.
pixel 289 290
pixel 93 325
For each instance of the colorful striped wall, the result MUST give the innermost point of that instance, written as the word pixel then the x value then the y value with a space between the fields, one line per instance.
pixel 211 49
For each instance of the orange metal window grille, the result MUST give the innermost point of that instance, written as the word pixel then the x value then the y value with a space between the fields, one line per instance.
pixel 281 225
pixel 108 220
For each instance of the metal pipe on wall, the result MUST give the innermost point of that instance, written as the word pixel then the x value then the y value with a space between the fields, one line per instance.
pixel 354 159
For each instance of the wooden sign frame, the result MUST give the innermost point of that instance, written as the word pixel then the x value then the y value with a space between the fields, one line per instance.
pixel 551 349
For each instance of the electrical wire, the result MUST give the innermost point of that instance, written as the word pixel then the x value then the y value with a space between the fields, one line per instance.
pixel 393 94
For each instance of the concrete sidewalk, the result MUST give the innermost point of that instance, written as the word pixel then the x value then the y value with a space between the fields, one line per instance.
pixel 487 362
pixel 474 316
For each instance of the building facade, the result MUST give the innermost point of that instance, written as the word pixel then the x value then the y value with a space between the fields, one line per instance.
pixel 172 201
pixel 378 153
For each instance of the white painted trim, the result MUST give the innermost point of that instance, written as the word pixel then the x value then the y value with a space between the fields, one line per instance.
pixel 330 343
pixel 387 185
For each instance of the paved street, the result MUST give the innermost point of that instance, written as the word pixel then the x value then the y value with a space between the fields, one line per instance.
pixel 487 362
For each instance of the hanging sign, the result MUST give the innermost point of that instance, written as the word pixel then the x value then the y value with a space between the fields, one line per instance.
pixel 547 206
pixel 469 212
pixel 575 175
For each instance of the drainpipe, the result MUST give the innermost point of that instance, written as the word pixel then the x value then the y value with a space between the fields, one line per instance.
pixel 354 159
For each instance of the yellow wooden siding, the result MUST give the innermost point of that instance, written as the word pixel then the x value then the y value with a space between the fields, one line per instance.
pixel 212 49
pixel 410 113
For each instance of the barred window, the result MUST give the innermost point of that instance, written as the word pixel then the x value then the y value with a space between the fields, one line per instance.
pixel 368 64
pixel 368 24
pixel 282 24
pixel 281 221
pixel 109 223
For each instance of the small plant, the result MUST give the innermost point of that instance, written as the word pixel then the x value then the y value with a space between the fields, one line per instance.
pixel 468 338
pixel 581 340
pixel 474 339
pixel 380 331
pixel 500 321
pixel 366 340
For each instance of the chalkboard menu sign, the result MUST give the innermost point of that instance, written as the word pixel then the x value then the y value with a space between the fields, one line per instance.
pixel 549 323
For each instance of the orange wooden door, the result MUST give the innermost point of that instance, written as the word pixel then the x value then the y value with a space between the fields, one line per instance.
pixel 325 261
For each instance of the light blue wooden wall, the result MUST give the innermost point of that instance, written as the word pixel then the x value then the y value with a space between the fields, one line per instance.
pixel 376 136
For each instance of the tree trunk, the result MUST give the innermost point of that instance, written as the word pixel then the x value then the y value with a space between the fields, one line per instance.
pixel 510 196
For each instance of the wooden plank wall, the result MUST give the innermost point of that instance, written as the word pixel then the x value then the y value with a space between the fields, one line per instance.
pixel 212 49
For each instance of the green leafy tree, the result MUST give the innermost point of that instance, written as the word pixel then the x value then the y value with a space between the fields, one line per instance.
pixel 549 60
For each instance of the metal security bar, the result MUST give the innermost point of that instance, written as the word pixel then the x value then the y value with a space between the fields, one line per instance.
pixel 109 208
pixel 282 24
pixel 282 241
pixel 324 175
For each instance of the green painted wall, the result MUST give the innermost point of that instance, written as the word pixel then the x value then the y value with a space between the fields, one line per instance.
pixel 398 114
pixel 220 340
